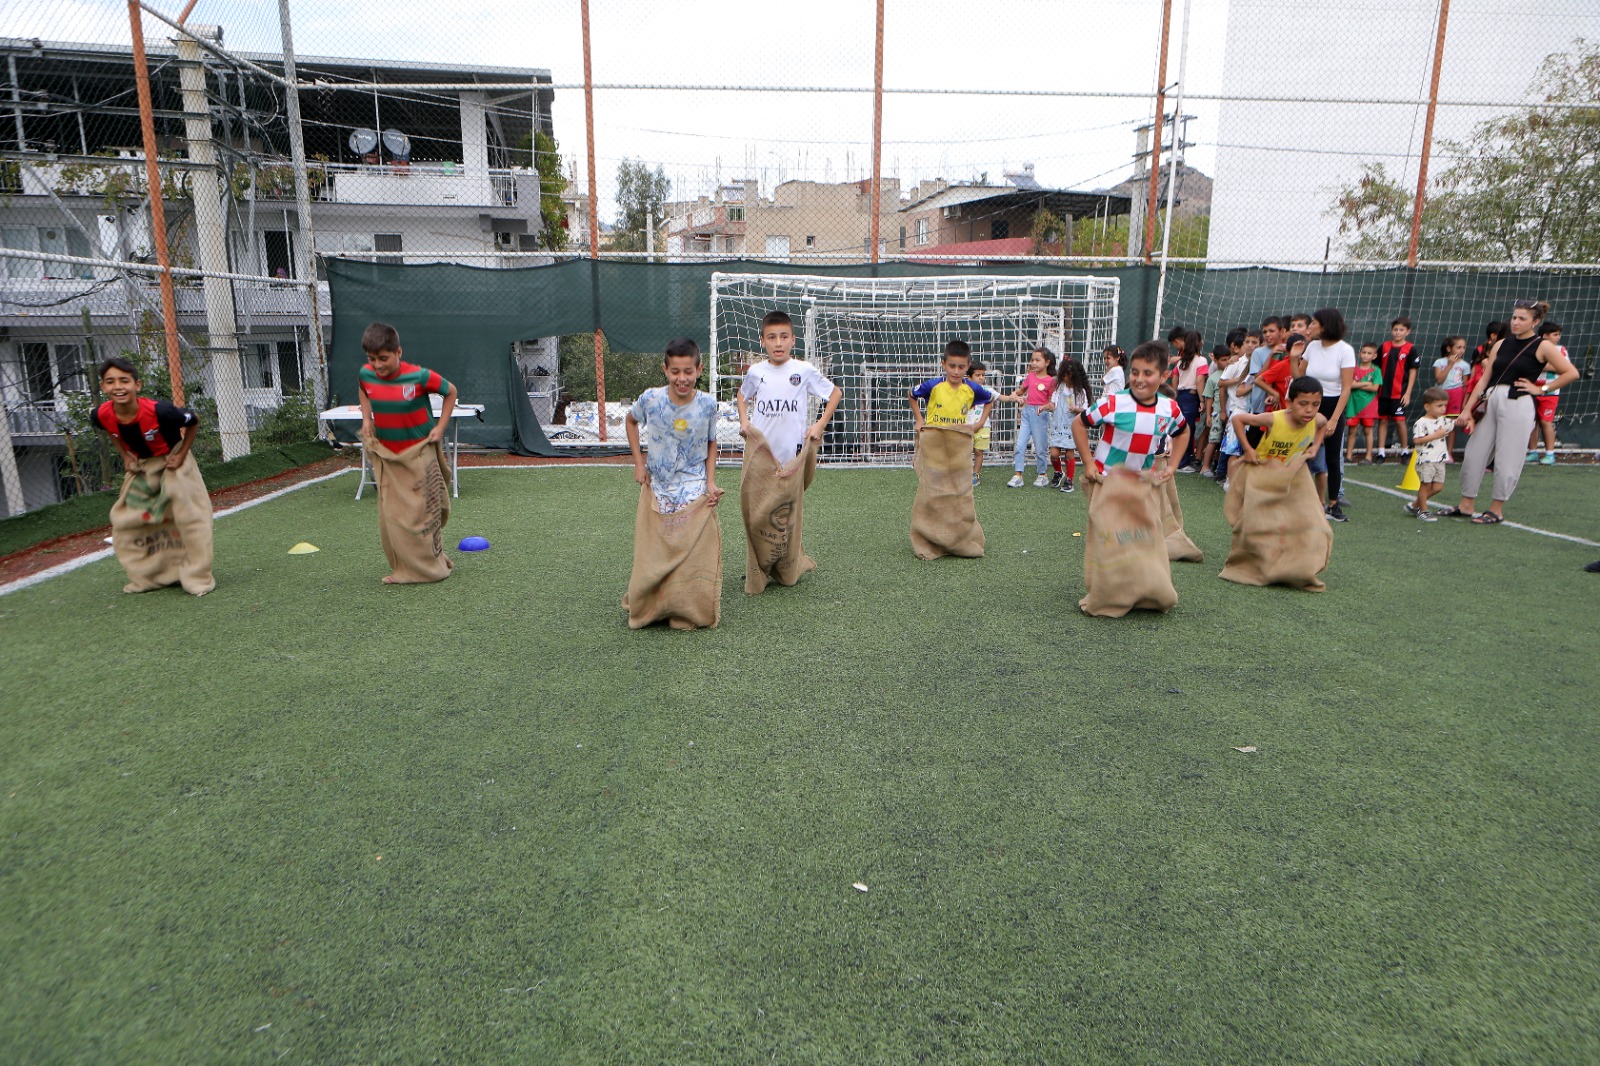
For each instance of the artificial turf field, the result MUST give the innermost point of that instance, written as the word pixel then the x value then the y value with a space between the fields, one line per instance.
pixel 310 818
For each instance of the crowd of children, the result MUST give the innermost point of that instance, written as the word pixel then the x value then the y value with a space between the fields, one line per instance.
pixel 1285 392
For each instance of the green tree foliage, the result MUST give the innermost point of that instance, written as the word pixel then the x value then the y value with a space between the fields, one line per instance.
pixel 1191 236
pixel 627 373
pixel 544 154
pixel 639 191
pixel 1523 187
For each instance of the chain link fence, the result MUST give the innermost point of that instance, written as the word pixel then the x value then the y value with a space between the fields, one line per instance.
pixel 1181 139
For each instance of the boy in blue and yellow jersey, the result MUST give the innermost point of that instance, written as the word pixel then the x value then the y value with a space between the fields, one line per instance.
pixel 949 398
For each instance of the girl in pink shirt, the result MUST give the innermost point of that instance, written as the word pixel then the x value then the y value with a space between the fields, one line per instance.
pixel 1034 394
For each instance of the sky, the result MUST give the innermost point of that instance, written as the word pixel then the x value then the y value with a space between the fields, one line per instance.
pixel 1278 166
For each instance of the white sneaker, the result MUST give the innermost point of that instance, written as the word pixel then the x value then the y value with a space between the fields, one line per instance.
pixel 1208 472
pixel 1015 482
pixel 1042 481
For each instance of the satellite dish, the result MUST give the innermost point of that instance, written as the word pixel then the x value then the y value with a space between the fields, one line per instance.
pixel 398 144
pixel 363 142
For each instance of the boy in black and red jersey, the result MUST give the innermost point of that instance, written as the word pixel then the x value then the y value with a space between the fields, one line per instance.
pixel 140 427
pixel 1397 362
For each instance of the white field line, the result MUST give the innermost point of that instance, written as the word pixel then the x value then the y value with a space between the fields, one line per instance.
pixel 1507 522
pixel 96 556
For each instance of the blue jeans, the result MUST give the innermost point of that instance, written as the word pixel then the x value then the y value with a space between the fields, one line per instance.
pixel 1189 404
pixel 1035 426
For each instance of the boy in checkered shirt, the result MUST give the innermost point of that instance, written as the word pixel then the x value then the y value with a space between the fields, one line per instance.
pixel 1137 421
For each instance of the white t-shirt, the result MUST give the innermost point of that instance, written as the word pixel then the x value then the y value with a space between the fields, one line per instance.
pixel 1454 376
pixel 776 399
pixel 1232 374
pixel 1114 380
pixel 1324 362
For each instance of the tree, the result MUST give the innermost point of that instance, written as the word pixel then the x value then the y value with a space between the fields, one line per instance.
pixel 639 193
pixel 546 158
pixel 1524 187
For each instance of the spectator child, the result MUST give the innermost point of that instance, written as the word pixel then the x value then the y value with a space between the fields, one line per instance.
pixel 978 418
pixel 1188 376
pixel 1397 361
pixel 1212 407
pixel 1544 406
pixel 1428 438
pixel 1450 373
pixel 1361 411
pixel 1115 378
pixel 1034 425
pixel 1071 399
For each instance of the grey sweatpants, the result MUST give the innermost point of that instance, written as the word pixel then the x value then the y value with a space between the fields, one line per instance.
pixel 1502 435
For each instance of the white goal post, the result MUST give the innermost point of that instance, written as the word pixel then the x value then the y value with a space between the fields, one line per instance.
pixel 878 337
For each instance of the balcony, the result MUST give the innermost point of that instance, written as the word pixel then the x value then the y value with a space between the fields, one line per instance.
pixel 34 423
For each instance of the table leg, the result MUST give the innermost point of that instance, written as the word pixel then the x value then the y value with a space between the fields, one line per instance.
pixel 362 483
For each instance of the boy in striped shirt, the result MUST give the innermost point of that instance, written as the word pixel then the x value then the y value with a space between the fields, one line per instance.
pixel 394 393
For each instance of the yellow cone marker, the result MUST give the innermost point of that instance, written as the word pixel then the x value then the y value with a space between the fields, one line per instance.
pixel 303 549
pixel 1409 483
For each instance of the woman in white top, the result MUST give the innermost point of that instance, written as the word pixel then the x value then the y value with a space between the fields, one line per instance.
pixel 1330 359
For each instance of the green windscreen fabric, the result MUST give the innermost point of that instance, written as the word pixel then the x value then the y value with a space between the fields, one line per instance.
pixel 462 321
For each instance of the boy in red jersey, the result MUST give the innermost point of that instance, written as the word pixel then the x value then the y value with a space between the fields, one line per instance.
pixel 161 522
pixel 1397 362
pixel 413 498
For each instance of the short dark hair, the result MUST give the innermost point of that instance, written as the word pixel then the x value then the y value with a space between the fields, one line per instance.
pixel 1150 352
pixel 1303 384
pixel 681 346
pixel 1222 351
pixel 1272 320
pixel 775 318
pixel 1236 335
pixel 1435 395
pixel 116 362
pixel 380 337
pixel 1298 316
pixel 1550 327
pixel 1400 320
pixel 1177 333
pixel 1495 330
pixel 1369 344
pixel 1332 321
pixel 960 348
pixel 974 367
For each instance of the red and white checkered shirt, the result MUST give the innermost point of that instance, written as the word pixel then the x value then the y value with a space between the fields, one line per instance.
pixel 1135 432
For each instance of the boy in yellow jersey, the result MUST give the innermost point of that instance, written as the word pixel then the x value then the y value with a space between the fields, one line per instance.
pixel 1290 433
pixel 949 398
pixel 978 419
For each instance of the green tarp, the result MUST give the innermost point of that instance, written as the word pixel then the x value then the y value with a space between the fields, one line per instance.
pixel 463 321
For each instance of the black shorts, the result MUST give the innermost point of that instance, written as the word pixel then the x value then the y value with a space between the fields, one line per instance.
pixel 1391 407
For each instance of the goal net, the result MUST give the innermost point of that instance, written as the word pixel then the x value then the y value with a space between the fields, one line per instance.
pixel 879 337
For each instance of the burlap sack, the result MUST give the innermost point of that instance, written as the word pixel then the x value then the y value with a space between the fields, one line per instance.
pixel 944 520
pixel 677 566
pixel 1280 535
pixel 161 528
pixel 771 500
pixel 1180 549
pixel 1124 553
pixel 413 508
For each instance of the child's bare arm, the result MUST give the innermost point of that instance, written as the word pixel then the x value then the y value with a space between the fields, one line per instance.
pixel 815 432
pixel 366 413
pixel 744 413
pixel 640 474
pixel 713 494
pixel 446 409
pixel 1436 434
pixel 916 410
pixel 1080 440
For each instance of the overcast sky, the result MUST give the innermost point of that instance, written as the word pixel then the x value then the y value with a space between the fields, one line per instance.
pixel 1280 167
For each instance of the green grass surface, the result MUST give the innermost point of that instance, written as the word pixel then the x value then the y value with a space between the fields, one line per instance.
pixel 81 513
pixel 600 845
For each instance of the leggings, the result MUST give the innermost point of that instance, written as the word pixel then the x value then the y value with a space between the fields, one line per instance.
pixel 1189 404
pixel 1034 425
pixel 1332 456
pixel 1502 435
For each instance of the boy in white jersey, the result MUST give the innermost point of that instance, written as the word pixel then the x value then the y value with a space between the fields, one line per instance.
pixel 775 391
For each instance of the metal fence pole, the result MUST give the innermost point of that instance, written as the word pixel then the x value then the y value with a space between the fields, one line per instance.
pixel 594 233
pixel 302 203
pixel 1155 142
pixel 1172 170
pixel 1427 136
pixel 877 136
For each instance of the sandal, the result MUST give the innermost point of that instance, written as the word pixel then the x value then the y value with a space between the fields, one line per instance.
pixel 1486 518
pixel 1455 512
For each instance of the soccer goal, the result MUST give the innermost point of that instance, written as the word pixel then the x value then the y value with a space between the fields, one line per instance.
pixel 878 337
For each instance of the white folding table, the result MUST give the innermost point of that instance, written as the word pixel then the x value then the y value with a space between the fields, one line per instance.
pixel 352 413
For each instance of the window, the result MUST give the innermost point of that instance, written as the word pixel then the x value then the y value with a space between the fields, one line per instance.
pixel 999 230
pixel 277 246
pixel 37 385
pixel 727 244
pixel 922 231
pixel 72 371
pixel 289 366
pixel 811 241
pixel 736 214
pixel 63 240
pixel 902 238
pixel 256 365
pixel 778 246
pixel 388 242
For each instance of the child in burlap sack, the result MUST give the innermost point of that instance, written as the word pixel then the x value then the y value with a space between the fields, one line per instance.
pixel 677 544
pixel 1280 532
pixel 161 522
pixel 944 520
pixel 780 446
pixel 1125 553
pixel 403 445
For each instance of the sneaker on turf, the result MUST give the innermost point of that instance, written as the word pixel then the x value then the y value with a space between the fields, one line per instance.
pixel 1334 514
pixel 1042 481
pixel 1594 567
pixel 1066 484
pixel 1531 457
pixel 1187 468
pixel 1548 459
pixel 1427 516
pixel 974 480
pixel 1055 479
pixel 1208 472
pixel 1015 482
pixel 1223 484
pixel 1411 508
pixel 1381 457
